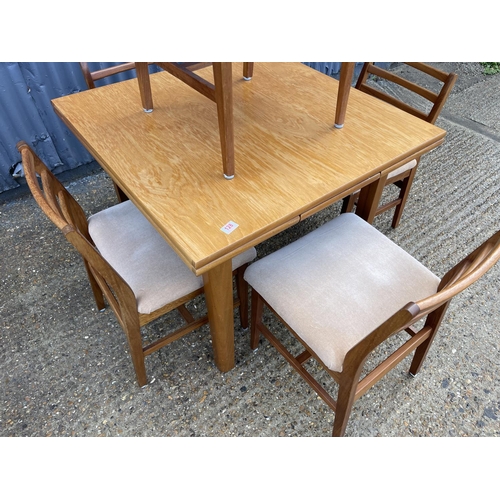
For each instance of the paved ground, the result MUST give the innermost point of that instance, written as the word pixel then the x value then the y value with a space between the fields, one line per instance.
pixel 65 369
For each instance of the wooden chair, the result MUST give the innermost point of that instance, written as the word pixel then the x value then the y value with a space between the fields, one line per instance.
pixel 428 109
pixel 128 262
pixel 345 288
pixel 221 92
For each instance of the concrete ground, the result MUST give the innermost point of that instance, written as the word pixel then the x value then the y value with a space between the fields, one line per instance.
pixel 65 368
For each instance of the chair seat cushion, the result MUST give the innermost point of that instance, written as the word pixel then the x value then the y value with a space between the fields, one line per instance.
pixel 338 283
pixel 403 168
pixel 140 255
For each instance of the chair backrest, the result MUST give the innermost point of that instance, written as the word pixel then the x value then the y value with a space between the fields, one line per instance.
pixel 67 214
pixel 92 76
pixel 456 280
pixel 437 99
pixel 52 197
pixel 464 274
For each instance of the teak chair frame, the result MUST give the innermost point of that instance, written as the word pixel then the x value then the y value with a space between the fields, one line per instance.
pixel 350 387
pixel 220 92
pixel 404 180
pixel 106 284
pixel 93 76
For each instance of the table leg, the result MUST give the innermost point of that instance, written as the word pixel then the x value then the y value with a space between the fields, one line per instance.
pixel 369 199
pixel 218 284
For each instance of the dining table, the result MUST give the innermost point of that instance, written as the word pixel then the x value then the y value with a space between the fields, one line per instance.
pixel 290 162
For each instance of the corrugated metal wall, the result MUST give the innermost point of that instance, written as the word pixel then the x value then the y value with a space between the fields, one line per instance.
pixel 333 68
pixel 329 68
pixel 26 113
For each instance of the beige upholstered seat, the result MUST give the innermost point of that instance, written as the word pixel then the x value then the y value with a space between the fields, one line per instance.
pixel 127 262
pixel 137 252
pixel 344 289
pixel 404 168
pixel 338 283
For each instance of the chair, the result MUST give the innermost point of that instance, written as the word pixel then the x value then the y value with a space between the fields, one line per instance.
pixel 221 92
pixel 128 262
pixel 425 104
pixel 344 289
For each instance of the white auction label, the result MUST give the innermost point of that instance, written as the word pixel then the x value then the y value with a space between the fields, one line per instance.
pixel 229 227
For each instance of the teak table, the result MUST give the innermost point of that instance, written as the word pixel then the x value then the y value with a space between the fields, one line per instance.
pixel 290 160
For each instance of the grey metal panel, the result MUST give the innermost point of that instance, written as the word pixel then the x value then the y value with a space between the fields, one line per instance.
pixel 328 68
pixel 26 113
pixel 17 117
pixel 333 68
pixel 51 139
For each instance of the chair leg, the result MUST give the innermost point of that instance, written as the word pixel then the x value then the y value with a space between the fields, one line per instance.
pixel 224 99
pixel 96 289
pixel 133 333
pixel 345 81
pixel 120 194
pixel 349 202
pixel 142 71
pixel 242 291
pixel 403 196
pixel 434 321
pixel 257 308
pixel 247 70
pixel 345 399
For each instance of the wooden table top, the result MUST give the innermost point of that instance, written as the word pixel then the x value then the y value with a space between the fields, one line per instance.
pixel 289 159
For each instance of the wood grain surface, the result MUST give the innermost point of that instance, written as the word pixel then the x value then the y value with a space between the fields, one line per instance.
pixel 290 161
